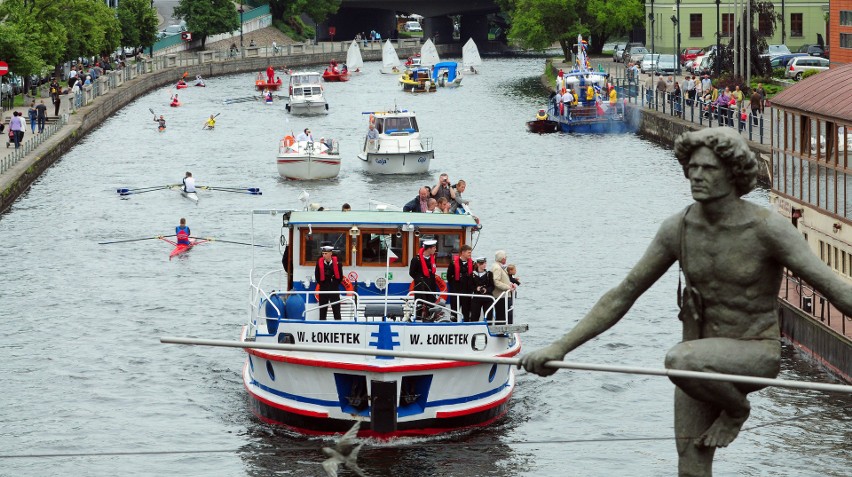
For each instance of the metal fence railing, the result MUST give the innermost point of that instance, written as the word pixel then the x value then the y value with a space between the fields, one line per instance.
pixel 12 156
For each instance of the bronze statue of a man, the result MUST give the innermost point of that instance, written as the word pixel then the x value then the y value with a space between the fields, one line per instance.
pixel 732 254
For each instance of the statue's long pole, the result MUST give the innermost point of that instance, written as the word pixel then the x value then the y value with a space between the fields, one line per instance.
pixel 672 373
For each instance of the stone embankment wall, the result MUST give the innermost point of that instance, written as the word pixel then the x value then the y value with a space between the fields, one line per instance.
pixel 89 117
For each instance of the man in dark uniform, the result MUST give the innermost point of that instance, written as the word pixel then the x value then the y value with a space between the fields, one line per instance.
pixel 328 274
pixel 422 270
pixel 460 280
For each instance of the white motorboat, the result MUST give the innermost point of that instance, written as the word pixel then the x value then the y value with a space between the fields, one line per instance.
pixel 305 94
pixel 320 393
pixel 399 148
pixel 308 160
pixel 354 62
pixel 390 60
pixel 429 54
pixel 471 60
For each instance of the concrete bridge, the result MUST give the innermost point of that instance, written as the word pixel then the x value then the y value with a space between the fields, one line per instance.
pixel 357 16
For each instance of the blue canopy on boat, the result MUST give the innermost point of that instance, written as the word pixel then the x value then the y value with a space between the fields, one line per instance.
pixel 449 66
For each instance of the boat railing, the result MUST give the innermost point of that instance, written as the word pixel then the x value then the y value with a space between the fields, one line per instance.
pixel 346 299
pixel 377 205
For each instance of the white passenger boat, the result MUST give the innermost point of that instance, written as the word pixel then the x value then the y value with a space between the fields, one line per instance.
pixel 321 393
pixel 400 148
pixel 429 54
pixel 354 62
pixel 308 160
pixel 305 94
pixel 390 60
pixel 471 60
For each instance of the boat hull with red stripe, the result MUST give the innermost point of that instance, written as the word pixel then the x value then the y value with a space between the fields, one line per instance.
pixel 308 160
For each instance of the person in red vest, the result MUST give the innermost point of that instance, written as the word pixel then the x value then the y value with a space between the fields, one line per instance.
pixel 270 74
pixel 460 280
pixel 328 274
pixel 422 270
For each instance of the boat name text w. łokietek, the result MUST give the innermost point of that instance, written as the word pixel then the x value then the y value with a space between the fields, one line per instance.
pixel 330 337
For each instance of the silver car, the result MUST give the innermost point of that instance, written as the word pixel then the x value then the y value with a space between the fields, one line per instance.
pixel 634 54
pixel 617 53
pixel 649 62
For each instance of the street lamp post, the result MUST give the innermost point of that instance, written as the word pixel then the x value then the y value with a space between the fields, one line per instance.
pixel 241 25
pixel 674 42
pixel 651 18
pixel 677 23
pixel 718 54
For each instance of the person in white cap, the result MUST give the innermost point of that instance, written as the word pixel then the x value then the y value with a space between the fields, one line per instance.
pixel 422 270
pixel 483 286
pixel 328 274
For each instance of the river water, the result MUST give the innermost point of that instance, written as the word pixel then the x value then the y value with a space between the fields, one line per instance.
pixel 88 389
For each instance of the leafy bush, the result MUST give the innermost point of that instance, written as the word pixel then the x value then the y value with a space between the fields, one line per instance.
pixel 295 29
pixel 778 73
pixel 809 73
pixel 729 80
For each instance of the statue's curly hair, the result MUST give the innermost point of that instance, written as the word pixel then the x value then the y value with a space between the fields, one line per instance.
pixel 728 146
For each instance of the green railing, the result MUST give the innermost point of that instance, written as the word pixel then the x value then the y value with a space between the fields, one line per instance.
pixel 256 12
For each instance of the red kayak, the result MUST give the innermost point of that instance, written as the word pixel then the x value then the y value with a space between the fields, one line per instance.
pixel 175 104
pixel 181 86
pixel 335 76
pixel 181 248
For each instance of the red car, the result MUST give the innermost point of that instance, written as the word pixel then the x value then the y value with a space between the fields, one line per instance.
pixel 689 54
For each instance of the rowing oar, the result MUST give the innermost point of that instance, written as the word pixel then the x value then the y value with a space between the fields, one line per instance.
pixel 250 191
pixel 124 190
pixel 673 373
pixel 211 239
pixel 152 111
pixel 130 192
pixel 158 237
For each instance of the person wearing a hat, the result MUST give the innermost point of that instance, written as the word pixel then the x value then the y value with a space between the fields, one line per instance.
pixel 460 280
pixel 502 283
pixel 328 274
pixel 483 286
pixel 422 270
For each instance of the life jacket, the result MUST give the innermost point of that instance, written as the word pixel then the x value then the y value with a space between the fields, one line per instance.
pixel 182 232
pixel 321 265
pixel 456 262
pixel 427 270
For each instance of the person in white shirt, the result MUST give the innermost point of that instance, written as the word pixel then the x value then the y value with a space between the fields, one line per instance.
pixel 189 183
pixel 305 136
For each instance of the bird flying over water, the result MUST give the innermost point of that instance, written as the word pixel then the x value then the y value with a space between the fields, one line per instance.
pixel 344 452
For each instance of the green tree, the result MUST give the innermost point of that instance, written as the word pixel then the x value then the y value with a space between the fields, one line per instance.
pixel 91 28
pixel 611 18
pixel 208 17
pixel 138 23
pixel 289 11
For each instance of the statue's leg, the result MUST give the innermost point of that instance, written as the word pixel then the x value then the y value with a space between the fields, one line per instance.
pixel 728 356
pixel 692 418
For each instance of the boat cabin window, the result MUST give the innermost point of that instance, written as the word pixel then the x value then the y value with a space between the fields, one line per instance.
pixel 405 124
pixel 372 249
pixel 337 238
pixel 380 125
pixel 448 244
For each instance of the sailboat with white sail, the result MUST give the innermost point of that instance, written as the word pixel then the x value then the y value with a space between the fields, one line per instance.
pixel 429 54
pixel 354 62
pixel 390 60
pixel 471 61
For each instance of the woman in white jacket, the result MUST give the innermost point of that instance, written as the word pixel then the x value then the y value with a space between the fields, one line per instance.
pixel 501 284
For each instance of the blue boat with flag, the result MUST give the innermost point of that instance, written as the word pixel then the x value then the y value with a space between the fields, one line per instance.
pixel 379 309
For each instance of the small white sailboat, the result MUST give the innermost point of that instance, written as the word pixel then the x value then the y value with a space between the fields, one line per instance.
pixel 429 54
pixel 471 60
pixel 390 60
pixel 354 62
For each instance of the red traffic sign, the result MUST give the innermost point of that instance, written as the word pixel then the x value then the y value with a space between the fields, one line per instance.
pixel 4 68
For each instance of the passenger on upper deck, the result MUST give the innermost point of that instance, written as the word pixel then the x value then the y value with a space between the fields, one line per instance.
pixel 328 274
pixel 457 201
pixel 419 203
pixel 443 206
pixel 432 206
pixel 460 280
pixel 422 270
pixel 442 188
pixel 346 207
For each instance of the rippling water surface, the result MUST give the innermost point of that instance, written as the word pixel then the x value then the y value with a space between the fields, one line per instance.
pixel 83 372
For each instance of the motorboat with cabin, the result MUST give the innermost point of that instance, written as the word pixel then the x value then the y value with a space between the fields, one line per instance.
pixel 399 147
pixel 471 61
pixel 308 160
pixel 326 392
pixel 446 74
pixel 390 60
pixel 354 61
pixel 305 94
pixel 418 80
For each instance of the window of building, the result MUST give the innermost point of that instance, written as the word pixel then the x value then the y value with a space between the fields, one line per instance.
pixel 845 17
pixel 843 262
pixel 846 40
pixel 695 25
pixel 727 24
pixel 337 238
pixel 373 248
pixel 822 250
pixel 764 23
pixel 796 25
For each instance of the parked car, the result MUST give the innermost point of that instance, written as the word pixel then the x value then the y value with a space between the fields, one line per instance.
pixel 689 54
pixel 649 62
pixel 705 67
pixel 172 30
pixel 634 54
pixel 781 61
pixel 813 50
pixel 618 53
pixel 666 65
pixel 798 65
pixel 776 50
pixel 412 26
